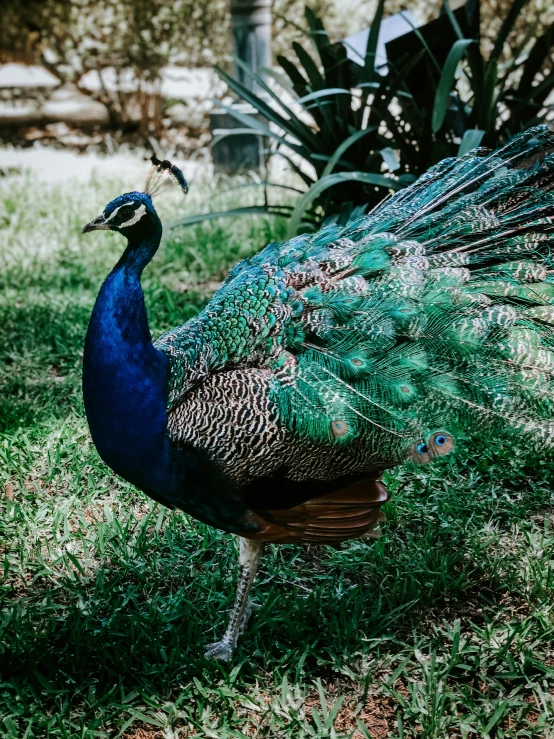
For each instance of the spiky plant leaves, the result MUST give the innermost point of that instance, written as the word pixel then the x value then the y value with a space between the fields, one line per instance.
pixel 317 33
pixel 455 25
pixel 442 96
pixel 535 60
pixel 471 140
pixel 343 147
pixel 298 128
pixel 316 79
pixel 295 128
pixel 346 117
pixel 506 28
pixel 251 121
pixel 295 76
pixel 247 210
pixel 369 71
pixel 329 181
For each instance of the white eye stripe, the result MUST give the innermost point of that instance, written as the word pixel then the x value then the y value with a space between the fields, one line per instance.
pixel 139 212
pixel 115 212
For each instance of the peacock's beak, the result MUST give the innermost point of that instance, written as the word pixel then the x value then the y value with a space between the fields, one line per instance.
pixel 99 224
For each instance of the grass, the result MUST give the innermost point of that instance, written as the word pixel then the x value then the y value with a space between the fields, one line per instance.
pixel 442 628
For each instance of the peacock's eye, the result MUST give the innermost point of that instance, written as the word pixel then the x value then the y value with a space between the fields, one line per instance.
pixel 422 448
pixel 126 212
pixel 440 439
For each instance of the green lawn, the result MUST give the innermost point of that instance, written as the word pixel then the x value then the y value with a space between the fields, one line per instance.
pixel 442 628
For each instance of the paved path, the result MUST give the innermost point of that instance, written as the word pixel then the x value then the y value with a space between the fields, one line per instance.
pixel 54 165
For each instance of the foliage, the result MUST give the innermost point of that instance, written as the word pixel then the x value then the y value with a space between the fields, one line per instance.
pixel 131 39
pixel 127 42
pixel 504 98
pixel 350 132
pixel 443 627
pixel 203 27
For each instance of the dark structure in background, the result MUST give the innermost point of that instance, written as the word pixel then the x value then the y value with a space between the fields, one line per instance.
pixel 439 35
pixel 234 149
pixel 251 29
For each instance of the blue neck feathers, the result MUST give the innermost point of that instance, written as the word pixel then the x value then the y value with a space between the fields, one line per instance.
pixel 124 376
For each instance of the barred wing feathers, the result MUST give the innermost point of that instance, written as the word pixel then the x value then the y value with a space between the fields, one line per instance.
pixel 431 316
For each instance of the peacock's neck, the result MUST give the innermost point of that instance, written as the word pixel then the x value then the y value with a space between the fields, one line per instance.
pixel 125 377
pixel 125 381
pixel 139 252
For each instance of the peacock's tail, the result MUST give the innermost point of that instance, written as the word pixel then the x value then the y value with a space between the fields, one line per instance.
pixel 431 317
pixel 441 319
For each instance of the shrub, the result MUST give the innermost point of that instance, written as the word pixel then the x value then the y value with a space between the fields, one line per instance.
pixel 363 133
pixel 133 38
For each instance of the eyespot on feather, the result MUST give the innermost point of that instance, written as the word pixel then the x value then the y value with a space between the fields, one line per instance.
pixel 440 443
pixel 419 453
pixel 355 364
pixel 339 429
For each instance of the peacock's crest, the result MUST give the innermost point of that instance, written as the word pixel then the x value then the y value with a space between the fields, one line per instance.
pixel 158 173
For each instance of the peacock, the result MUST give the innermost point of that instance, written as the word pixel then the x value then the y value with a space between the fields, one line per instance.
pixel 323 361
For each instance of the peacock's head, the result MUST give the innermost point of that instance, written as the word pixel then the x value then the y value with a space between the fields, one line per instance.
pixel 133 214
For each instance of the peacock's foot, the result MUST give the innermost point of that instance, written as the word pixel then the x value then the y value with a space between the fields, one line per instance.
pixel 250 609
pixel 220 650
pixel 250 552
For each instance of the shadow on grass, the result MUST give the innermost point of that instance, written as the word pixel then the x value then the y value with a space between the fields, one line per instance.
pixel 142 618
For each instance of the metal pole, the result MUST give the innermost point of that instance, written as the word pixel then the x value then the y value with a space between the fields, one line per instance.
pixel 251 28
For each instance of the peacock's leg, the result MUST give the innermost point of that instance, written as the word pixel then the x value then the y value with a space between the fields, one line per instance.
pixel 249 558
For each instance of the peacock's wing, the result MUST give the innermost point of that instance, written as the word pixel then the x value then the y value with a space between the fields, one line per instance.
pixel 429 317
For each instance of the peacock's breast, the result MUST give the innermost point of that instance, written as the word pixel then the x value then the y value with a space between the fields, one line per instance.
pixel 124 388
